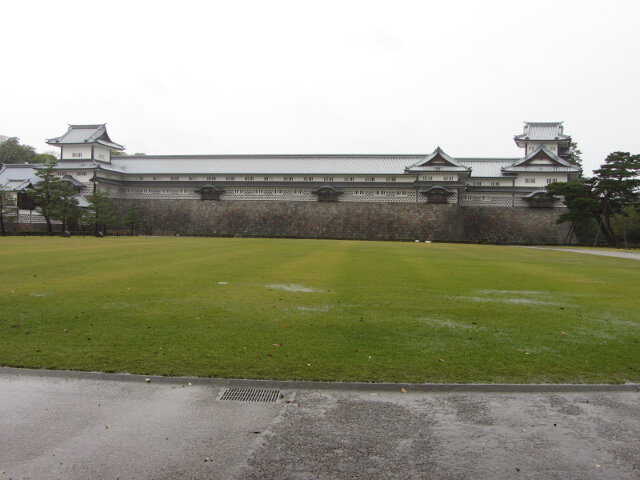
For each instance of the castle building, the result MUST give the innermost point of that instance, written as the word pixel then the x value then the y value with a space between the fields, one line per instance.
pixel 338 196
pixel 87 156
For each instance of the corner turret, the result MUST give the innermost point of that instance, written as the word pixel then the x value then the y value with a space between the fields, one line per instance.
pixel 549 135
pixel 86 142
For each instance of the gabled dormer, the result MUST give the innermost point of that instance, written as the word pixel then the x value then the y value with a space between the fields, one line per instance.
pixel 437 161
pixel 549 135
pixel 542 160
pixel 86 142
pixel 542 156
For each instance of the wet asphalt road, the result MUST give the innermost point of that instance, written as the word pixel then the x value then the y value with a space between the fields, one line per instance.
pixel 85 426
pixel 601 253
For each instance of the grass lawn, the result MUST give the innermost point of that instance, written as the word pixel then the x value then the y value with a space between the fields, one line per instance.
pixel 318 310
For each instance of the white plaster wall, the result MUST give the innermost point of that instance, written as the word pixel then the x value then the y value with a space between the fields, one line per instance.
pixel 540 182
pixel 437 177
pixel 531 147
pixel 541 179
pixel 542 161
pixel 69 150
pixel 99 150
pixel 559 177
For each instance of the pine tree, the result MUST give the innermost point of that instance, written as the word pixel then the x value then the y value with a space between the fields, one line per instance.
pixel 133 219
pixel 102 212
pixel 574 155
pixel 65 207
pixel 46 192
pixel 618 185
pixel 5 202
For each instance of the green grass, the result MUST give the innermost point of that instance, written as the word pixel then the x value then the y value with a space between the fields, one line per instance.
pixel 402 312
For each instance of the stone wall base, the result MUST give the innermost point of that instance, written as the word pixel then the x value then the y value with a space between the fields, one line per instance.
pixel 367 221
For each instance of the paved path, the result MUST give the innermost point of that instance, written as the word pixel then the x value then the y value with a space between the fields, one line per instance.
pixel 78 426
pixel 604 253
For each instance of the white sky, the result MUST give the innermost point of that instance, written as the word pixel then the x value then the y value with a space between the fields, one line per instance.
pixel 184 77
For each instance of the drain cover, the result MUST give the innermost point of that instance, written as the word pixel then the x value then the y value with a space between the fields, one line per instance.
pixel 251 394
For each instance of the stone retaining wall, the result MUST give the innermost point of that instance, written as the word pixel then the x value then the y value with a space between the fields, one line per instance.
pixel 371 221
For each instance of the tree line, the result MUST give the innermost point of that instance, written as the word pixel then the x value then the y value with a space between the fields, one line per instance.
pixel 11 151
pixel 607 202
pixel 56 199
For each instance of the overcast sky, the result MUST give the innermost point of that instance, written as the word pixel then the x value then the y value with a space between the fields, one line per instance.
pixel 185 77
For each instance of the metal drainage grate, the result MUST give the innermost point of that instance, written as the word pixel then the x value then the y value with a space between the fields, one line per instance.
pixel 251 394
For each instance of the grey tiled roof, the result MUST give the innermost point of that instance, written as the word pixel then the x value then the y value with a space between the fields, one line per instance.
pixel 319 165
pixel 547 152
pixel 523 165
pixel 80 134
pixel 536 192
pixel 543 131
pixel 266 164
pixel 85 165
pixel 487 167
pixel 425 164
pixel 82 201
pixel 312 165
pixel 17 176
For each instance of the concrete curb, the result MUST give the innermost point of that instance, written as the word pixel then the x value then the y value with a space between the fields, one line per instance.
pixel 335 386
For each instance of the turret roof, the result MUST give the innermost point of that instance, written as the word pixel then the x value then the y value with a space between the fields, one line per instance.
pixel 542 131
pixel 81 134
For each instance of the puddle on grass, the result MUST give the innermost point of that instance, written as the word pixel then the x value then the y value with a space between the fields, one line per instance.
pixel 591 334
pixel 626 323
pixel 222 283
pixel 512 292
pixel 292 287
pixel 321 308
pixel 448 324
pixel 520 301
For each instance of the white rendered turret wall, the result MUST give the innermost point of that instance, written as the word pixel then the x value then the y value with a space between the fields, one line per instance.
pixel 74 152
